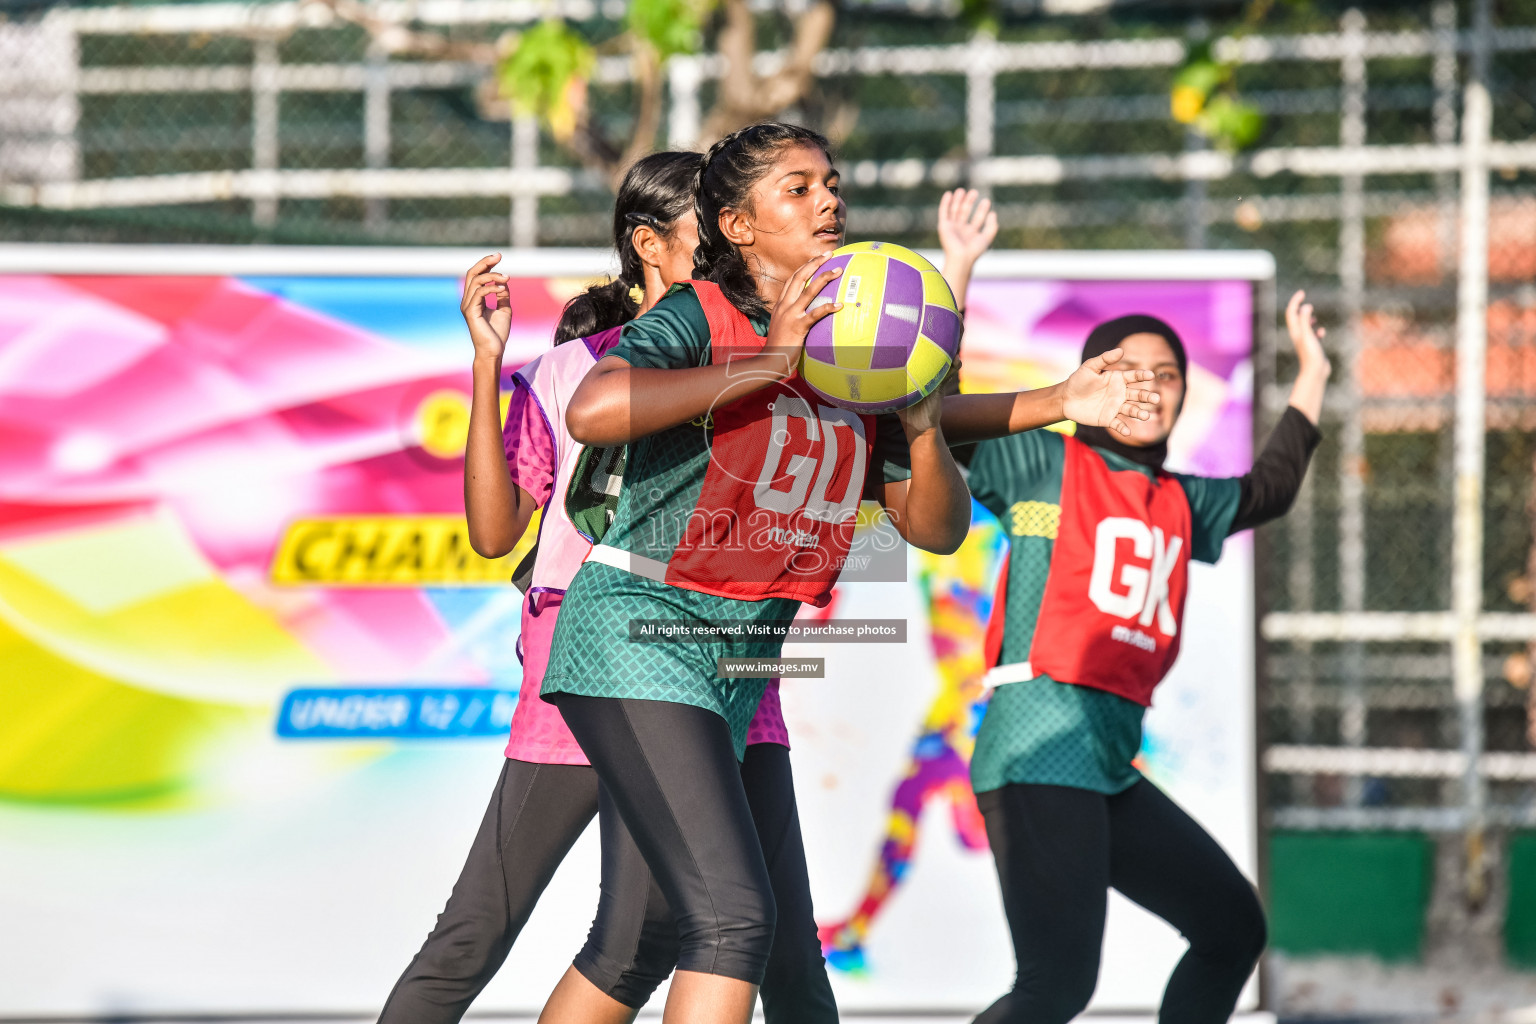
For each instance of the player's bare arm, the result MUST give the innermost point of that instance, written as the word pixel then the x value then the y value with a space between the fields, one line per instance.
pixel 497 510
pixel 618 403
pixel 1095 396
pixel 967 227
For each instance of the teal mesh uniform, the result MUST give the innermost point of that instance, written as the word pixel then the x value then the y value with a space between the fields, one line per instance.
pixel 1040 730
pixel 591 652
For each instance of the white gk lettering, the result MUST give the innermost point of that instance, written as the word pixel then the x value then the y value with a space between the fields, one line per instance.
pixel 1144 593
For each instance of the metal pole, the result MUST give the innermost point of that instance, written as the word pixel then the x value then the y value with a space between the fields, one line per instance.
pixel 1445 79
pixel 1300 580
pixel 39 100
pixel 1195 192
pixel 525 206
pixel 1352 724
pixel 981 104
pixel 1471 425
pixel 1446 76
pixel 1195 189
pixel 684 76
pixel 264 127
pixel 376 131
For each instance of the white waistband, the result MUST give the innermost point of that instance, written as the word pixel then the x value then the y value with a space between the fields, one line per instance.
pixel 650 568
pixel 1018 672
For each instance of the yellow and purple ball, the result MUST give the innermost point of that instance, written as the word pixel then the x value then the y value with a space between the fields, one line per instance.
pixel 895 338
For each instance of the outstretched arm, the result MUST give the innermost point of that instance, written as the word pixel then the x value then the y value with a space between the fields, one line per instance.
pixel 1269 489
pixel 1313 367
pixel 617 403
pixel 496 509
pixel 967 228
pixel 1095 395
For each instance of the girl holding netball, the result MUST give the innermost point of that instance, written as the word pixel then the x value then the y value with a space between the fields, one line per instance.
pixel 713 523
pixel 547 794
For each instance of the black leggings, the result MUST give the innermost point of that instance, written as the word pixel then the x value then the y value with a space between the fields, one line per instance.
pixel 1059 850
pixel 536 813
pixel 796 989
pixel 632 947
pixel 672 774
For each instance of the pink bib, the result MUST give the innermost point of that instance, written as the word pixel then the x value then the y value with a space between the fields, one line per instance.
pixel 539 734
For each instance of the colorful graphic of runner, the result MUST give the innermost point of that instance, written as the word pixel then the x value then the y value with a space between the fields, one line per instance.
pixel 958 592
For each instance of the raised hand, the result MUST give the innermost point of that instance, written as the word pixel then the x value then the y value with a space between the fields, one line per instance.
pixel 967 224
pixel 793 315
pixel 488 328
pixel 1097 396
pixel 496 510
pixel 1306 335
pixel 1313 367
pixel 967 228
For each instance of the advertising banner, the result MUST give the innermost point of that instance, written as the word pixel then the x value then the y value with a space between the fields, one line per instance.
pixel 255 684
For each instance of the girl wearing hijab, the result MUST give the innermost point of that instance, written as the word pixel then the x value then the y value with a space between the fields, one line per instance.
pixel 1086 624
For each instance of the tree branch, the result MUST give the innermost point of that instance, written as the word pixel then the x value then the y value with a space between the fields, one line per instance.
pixel 744 96
pixel 393 38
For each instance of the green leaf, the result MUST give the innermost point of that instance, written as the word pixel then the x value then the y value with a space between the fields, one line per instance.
pixel 983 16
pixel 1230 123
pixel 1203 76
pixel 670 26
pixel 537 75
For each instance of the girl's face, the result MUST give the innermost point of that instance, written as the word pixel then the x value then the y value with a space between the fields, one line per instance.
pixel 666 259
pixel 1152 352
pixel 677 250
pixel 797 213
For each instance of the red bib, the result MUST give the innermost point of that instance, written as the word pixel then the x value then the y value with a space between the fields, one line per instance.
pixel 779 503
pixel 1114 599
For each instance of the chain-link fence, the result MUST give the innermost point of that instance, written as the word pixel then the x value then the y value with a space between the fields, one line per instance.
pixel 1397 594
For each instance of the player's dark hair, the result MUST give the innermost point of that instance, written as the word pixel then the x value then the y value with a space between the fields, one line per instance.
pixel 725 179
pixel 1109 334
pixel 657 190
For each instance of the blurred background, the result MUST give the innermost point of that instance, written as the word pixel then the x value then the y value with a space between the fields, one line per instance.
pixel 1382 152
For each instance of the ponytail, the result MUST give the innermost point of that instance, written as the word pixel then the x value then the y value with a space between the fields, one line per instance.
pixel 596 310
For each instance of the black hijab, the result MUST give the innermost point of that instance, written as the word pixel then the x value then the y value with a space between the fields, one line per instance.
pixel 1109 335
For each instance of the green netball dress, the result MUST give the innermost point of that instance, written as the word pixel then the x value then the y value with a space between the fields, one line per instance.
pixel 1084 731
pixel 700 532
